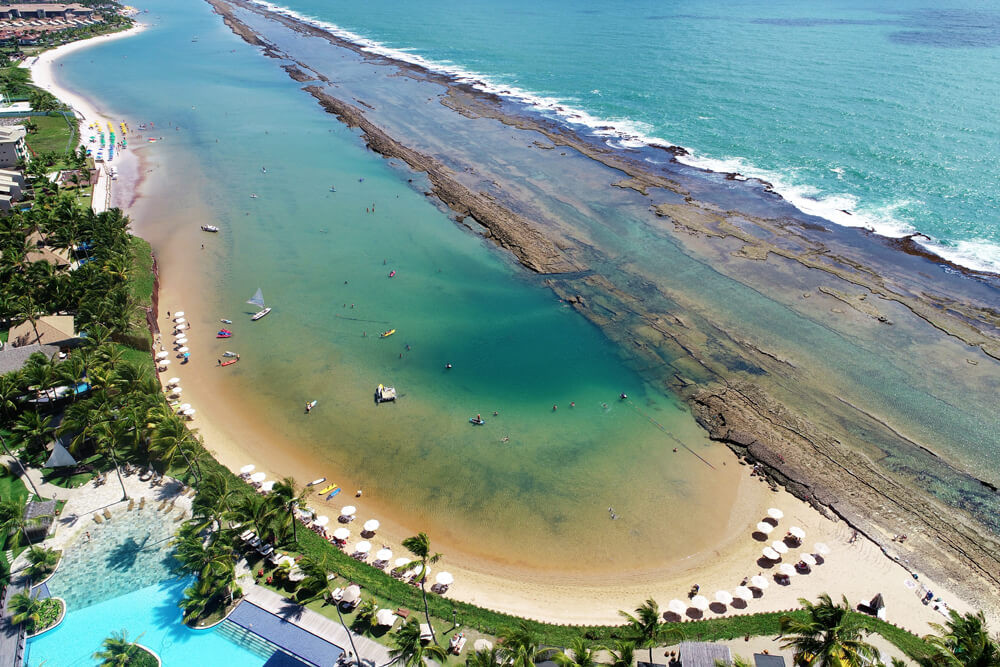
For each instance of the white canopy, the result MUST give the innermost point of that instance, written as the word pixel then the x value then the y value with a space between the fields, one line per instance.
pixel 771 554
pixel 400 562
pixel 760 582
pixel 822 549
pixel 179 320
pixel 385 617
pixel 384 554
pixel 184 406
pixel 248 468
pixel 189 412
pixel 765 527
pixel 371 525
pixel 743 593
pixel 341 533
pixel 172 381
pixel 179 313
pixel 787 569
pixel 352 593
pixel 60 457
pixel 164 362
pixel 444 578
pixel 797 532
pixel 183 349
pixel 181 340
pixel 322 521
pixel 779 546
pixel 775 513
pixel 725 597
pixel 809 559
pixel 258 477
pixel 677 607
pixel 363 546
pixel 267 486
pixel 162 355
pixel 700 602
pixel 348 510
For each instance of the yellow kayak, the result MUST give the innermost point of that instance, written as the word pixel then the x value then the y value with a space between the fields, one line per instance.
pixel 386 334
pixel 327 489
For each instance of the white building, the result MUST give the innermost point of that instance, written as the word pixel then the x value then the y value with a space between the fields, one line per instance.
pixel 12 146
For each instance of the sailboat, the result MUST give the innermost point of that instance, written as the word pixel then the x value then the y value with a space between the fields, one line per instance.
pixel 258 300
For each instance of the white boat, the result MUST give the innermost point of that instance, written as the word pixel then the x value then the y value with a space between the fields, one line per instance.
pixel 258 300
pixel 209 228
pixel 383 394
pixel 316 482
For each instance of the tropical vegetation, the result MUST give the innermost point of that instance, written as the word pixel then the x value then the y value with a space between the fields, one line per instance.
pixel 35 614
pixel 119 651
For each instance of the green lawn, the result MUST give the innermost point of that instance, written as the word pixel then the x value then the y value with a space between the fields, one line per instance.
pixel 54 134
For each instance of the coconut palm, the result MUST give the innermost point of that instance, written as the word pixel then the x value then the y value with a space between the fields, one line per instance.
pixel 521 647
pixel 622 653
pixel 284 491
pixel 646 629
pixel 827 637
pixel 214 505
pixel 409 650
pixel 210 558
pixel 12 520
pixel 26 609
pixel 364 618
pixel 962 642
pixel 254 510
pixel 34 430
pixel 581 655
pixel 420 546
pixel 198 597
pixel 118 650
pixel 485 657
pixel 10 392
pixel 316 582
pixel 41 561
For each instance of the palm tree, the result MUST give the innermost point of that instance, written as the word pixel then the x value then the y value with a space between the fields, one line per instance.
pixel 198 597
pixel 210 559
pixel 420 546
pixel 622 653
pixel 118 650
pixel 485 657
pixel 316 582
pixel 35 431
pixel 12 520
pixel 26 609
pixel 962 642
pixel 646 629
pixel 256 511
pixel 582 655
pixel 215 502
pixel 364 618
pixel 827 637
pixel 42 561
pixel 285 491
pixel 410 650
pixel 521 649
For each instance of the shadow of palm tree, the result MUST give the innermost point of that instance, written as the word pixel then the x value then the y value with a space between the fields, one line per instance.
pixel 291 610
pixel 124 555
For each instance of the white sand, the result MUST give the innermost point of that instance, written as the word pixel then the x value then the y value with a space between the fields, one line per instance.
pixel 858 570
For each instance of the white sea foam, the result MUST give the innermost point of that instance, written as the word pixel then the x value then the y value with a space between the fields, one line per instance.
pixel 841 209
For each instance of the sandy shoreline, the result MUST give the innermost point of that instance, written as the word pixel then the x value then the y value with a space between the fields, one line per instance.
pixel 857 570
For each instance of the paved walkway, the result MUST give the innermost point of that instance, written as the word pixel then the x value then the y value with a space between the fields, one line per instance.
pixel 372 653
pixel 11 641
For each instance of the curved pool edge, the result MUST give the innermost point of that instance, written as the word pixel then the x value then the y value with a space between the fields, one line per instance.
pixel 150 651
pixel 55 625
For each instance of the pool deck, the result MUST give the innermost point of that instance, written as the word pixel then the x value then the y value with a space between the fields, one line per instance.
pixel 307 620
pixel 11 640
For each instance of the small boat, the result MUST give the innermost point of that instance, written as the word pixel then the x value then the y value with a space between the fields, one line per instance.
pixel 383 394
pixel 327 489
pixel 333 493
pixel 227 353
pixel 209 228
pixel 258 300
pixel 229 362
pixel 317 482
pixel 226 321
pixel 310 405
pixel 333 189
pixel 392 274
pixel 386 334
pixel 253 195
pixel 477 421
pixel 224 334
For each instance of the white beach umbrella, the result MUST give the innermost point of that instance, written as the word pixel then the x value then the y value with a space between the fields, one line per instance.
pixel 444 578
pixel 700 602
pixel 181 340
pixel 743 593
pixel 765 527
pixel 176 391
pixel 286 560
pixel 184 406
pixel 400 562
pixel 348 510
pixel 363 547
pixel 179 313
pixel 775 513
pixel 787 569
pixel 797 532
pixel 162 355
pixel 183 349
pixel 179 320
pixel 760 582
pixel 322 521
pixel 416 569
pixel 808 559
pixel 341 533
pixel 780 547
pixel 247 469
pixel 258 477
pixel 725 597
pixel 677 607
pixel 267 486
pixel 821 549
pixel 189 412
pixel 371 525
pixel 384 554
pixel 482 645
pixel 385 617
pixel 164 362
pixel 352 593
pixel 771 554
pixel 172 381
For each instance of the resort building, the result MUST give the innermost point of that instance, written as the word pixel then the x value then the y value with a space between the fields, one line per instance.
pixel 14 358
pixel 44 11
pixel 42 252
pixel 58 330
pixel 11 186
pixel 12 145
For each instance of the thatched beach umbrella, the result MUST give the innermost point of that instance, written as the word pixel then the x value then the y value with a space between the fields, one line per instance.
pixel 247 469
pixel 780 547
pixel 743 593
pixel 724 597
pixel 765 527
pixel 700 602
pixel 787 569
pixel 771 554
pixel 677 607
pixel 797 532
pixel 821 549
pixel 759 582
pixel 775 513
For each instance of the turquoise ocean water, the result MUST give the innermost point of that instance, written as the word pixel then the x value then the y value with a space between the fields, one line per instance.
pixel 878 116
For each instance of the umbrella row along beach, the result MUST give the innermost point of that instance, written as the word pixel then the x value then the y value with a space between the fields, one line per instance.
pixel 172 386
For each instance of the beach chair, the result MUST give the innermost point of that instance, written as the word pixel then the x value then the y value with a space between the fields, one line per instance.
pixel 425 633
pixel 457 643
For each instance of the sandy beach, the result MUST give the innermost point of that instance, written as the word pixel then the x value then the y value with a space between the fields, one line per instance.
pixel 858 569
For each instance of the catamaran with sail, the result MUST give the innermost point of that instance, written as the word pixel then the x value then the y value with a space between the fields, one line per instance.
pixel 258 300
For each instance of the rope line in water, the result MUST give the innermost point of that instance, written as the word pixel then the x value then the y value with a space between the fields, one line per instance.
pixel 670 435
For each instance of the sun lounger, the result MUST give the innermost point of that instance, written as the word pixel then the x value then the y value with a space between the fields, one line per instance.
pixel 425 633
pixel 266 551
pixel 246 535
pixel 403 613
pixel 457 643
pixel 337 594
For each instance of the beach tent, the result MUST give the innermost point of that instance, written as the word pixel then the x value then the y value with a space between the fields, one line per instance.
pixel 60 457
